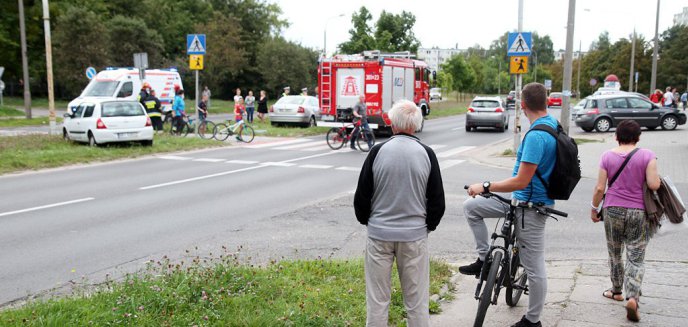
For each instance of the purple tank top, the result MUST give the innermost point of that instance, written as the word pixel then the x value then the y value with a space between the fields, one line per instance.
pixel 627 191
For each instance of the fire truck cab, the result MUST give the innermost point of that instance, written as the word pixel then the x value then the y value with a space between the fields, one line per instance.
pixel 381 78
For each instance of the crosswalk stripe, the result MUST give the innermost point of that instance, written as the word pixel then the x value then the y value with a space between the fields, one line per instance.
pixel 348 169
pixel 208 160
pixel 454 151
pixel 174 158
pixel 437 146
pixel 278 143
pixel 316 166
pixel 242 162
pixel 300 145
pixel 445 164
pixel 277 164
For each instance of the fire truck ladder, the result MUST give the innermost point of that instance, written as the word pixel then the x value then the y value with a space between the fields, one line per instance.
pixel 326 86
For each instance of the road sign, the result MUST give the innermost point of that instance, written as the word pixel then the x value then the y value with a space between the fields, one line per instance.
pixel 141 60
pixel 196 62
pixel 90 72
pixel 195 44
pixel 548 84
pixel 593 82
pixel 519 44
pixel 518 65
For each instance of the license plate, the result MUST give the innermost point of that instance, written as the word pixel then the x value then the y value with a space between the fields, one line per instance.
pixel 126 135
pixel 283 110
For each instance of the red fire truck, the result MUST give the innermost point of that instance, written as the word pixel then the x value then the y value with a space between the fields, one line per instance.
pixel 382 78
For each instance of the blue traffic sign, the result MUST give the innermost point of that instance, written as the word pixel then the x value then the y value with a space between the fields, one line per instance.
pixel 90 72
pixel 519 44
pixel 195 44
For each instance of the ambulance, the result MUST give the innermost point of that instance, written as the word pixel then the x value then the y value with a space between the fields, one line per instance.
pixel 125 83
pixel 382 78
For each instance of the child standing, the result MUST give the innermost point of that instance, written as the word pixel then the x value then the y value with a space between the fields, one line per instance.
pixel 238 117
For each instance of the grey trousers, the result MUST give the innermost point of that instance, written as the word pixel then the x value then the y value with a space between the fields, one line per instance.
pixel 413 265
pixel 531 240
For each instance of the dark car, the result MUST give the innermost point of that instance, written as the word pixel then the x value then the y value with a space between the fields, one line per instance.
pixel 603 112
pixel 511 100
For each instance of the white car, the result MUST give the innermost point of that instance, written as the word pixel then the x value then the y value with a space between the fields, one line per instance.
pixel 99 121
pixel 435 93
pixel 295 109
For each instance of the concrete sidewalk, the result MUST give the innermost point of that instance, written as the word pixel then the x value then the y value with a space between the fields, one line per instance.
pixel 574 298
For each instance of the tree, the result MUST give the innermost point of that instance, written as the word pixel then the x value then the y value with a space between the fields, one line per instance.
pixel 462 74
pixel 131 35
pixel 673 66
pixel 544 48
pixel 360 35
pixel 392 33
pixel 289 64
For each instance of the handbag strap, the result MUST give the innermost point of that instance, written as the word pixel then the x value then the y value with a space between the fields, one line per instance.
pixel 623 165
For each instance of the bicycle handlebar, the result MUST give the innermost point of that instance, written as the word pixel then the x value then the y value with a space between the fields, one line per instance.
pixel 522 205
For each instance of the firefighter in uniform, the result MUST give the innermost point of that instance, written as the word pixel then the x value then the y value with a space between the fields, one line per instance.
pixel 153 109
pixel 143 95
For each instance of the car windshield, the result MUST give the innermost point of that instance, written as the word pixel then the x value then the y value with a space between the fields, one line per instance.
pixel 291 100
pixel 100 89
pixel 435 90
pixel 555 95
pixel 485 104
pixel 122 109
pixel 581 104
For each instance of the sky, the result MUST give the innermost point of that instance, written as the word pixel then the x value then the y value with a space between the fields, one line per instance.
pixel 465 23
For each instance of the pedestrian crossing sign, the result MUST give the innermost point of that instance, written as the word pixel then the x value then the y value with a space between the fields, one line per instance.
pixel 519 44
pixel 195 44
pixel 518 65
pixel 196 62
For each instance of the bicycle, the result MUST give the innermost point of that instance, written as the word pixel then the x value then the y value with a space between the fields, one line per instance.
pixel 338 136
pixel 189 125
pixel 222 132
pixel 499 269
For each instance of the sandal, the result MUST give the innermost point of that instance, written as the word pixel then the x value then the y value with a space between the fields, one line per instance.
pixel 632 313
pixel 610 294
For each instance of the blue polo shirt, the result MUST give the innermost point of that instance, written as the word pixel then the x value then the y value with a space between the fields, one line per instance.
pixel 539 148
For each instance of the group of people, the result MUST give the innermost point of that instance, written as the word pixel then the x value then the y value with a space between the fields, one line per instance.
pixel 248 105
pixel 152 105
pixel 670 98
pixel 398 223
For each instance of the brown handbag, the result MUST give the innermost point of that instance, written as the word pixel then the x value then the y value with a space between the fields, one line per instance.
pixel 663 202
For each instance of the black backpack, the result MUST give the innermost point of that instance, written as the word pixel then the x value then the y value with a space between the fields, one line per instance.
pixel 567 171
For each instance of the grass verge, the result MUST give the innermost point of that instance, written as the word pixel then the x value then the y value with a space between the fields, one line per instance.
pixel 60 105
pixel 10 112
pixel 23 122
pixel 448 107
pixel 225 293
pixel 29 152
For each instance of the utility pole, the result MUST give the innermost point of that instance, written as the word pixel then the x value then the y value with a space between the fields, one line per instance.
pixel 653 78
pixel 49 66
pixel 630 78
pixel 580 58
pixel 25 61
pixel 568 63
pixel 519 80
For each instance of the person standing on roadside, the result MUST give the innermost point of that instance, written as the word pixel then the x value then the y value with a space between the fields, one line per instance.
pixel 684 99
pixel 668 99
pixel 675 96
pixel 400 198
pixel 262 105
pixel 623 212
pixel 238 118
pixel 237 95
pixel 657 96
pixel 360 112
pixel 206 93
pixel 178 111
pixel 154 111
pixel 286 92
pixel 250 106
pixel 536 155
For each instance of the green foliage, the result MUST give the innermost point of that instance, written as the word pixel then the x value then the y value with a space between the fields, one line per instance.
pixel 289 65
pixel 392 33
pixel 463 75
pixel 672 69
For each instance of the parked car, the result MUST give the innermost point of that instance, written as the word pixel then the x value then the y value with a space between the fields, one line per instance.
pixel 578 107
pixel 295 109
pixel 435 93
pixel 554 99
pixel 487 112
pixel 99 121
pixel 511 100
pixel 603 112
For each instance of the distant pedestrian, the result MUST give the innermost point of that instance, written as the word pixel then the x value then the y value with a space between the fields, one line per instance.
pixel 623 212
pixel 360 112
pixel 304 91
pixel 400 198
pixel 262 105
pixel 154 111
pixel 239 109
pixel 286 92
pixel 250 106
pixel 202 114
pixel 206 93
pixel 684 99
pixel 668 100
pixel 178 111
pixel 237 95
pixel 676 97
pixel 657 96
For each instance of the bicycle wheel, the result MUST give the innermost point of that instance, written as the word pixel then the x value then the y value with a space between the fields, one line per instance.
pixel 167 124
pixel 518 278
pixel 206 130
pixel 247 134
pixel 184 131
pixel 336 137
pixel 221 132
pixel 488 289
pixel 365 140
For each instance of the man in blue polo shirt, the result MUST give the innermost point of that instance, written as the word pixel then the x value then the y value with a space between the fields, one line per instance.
pixel 537 153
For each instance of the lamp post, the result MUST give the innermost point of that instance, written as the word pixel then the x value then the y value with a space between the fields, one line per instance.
pixel 325 34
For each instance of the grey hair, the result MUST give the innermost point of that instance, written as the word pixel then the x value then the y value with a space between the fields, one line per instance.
pixel 405 115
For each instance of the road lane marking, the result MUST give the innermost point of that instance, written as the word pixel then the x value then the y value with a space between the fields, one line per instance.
pixel 47 206
pixel 277 164
pixel 311 157
pixel 174 158
pixel 300 145
pixel 457 128
pixel 242 162
pixel 316 166
pixel 449 163
pixel 193 179
pixel 278 143
pixel 348 169
pixel 437 146
pixel 208 160
pixel 454 151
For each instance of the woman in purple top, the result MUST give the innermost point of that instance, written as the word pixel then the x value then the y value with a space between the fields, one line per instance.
pixel 623 213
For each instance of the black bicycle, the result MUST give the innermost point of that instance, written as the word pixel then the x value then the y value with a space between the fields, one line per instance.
pixel 502 266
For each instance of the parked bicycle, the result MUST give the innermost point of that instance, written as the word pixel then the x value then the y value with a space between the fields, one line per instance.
pixel 205 128
pixel 338 136
pixel 223 131
pixel 502 267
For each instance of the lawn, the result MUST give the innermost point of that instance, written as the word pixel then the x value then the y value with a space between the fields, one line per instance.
pixel 18 102
pixel 224 292
pixel 6 111
pixel 23 122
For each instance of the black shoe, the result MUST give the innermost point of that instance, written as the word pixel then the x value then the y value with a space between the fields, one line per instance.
pixel 473 268
pixel 526 323
pixel 353 147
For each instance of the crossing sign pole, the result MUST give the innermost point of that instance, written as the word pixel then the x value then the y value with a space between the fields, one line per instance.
pixel 195 48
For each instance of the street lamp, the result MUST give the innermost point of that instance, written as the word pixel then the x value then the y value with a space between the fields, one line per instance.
pixel 325 34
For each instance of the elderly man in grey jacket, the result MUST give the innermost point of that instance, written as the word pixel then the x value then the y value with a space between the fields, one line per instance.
pixel 400 198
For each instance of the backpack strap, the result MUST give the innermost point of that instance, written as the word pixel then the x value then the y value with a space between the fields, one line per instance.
pixel 550 131
pixel 623 165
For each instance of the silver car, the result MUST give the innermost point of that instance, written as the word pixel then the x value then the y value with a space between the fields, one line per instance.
pixel 487 112
pixel 295 109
